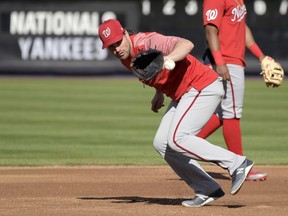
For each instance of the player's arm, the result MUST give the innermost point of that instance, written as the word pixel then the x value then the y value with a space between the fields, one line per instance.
pixel 252 45
pixel 176 49
pixel 211 32
pixel 180 50
pixel 173 47
pixel 157 101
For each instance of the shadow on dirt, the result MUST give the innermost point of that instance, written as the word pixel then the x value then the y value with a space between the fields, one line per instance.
pixel 136 199
pixel 148 200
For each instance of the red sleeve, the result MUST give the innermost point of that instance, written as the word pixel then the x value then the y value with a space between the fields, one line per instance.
pixel 155 40
pixel 213 11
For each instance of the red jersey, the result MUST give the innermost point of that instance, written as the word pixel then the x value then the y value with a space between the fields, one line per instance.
pixel 229 16
pixel 187 73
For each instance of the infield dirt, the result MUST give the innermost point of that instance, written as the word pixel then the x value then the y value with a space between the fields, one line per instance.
pixel 131 190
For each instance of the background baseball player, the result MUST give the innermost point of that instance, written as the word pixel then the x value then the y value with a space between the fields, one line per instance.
pixel 227 35
pixel 195 90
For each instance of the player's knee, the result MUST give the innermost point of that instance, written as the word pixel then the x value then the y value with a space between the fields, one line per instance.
pixel 175 140
pixel 160 145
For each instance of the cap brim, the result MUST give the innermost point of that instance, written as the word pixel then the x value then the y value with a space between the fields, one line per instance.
pixel 112 41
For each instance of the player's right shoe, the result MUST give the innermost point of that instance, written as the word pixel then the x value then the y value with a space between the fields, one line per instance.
pixel 256 176
pixel 201 200
pixel 240 174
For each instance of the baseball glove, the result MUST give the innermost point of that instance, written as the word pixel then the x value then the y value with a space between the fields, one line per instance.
pixel 272 72
pixel 147 64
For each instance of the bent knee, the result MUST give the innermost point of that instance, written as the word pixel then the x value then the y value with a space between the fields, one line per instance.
pixel 160 145
pixel 176 140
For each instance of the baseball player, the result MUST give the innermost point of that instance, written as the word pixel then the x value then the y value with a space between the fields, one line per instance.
pixel 227 34
pixel 195 91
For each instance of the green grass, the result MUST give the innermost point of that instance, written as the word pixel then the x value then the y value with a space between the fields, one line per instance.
pixel 73 121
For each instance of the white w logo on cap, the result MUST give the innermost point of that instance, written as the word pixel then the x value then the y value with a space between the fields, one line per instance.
pixel 106 32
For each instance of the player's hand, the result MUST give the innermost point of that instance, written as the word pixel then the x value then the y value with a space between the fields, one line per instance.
pixel 223 71
pixel 157 102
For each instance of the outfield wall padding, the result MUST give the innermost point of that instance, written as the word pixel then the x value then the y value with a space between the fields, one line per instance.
pixel 61 37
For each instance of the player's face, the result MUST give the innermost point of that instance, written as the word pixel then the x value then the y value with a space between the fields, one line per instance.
pixel 122 48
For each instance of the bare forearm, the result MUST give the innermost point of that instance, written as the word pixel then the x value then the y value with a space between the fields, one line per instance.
pixel 252 45
pixel 212 38
pixel 249 37
pixel 181 49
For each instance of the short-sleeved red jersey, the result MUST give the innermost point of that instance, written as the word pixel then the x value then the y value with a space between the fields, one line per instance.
pixel 229 16
pixel 187 73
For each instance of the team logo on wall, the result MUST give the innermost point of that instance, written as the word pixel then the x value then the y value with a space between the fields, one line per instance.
pixel 57 35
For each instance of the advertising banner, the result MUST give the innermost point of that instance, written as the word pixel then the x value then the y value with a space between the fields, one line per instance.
pixel 61 37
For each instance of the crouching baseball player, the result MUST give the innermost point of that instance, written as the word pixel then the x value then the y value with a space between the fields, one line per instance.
pixel 195 90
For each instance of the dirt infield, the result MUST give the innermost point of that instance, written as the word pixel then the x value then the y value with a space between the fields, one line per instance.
pixel 137 191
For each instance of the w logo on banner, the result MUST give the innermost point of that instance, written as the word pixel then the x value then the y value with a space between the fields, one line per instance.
pixel 106 32
pixel 211 14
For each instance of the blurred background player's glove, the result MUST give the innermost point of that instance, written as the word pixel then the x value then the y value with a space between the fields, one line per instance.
pixel 147 64
pixel 272 72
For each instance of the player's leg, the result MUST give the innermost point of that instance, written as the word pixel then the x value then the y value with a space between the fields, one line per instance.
pixel 232 107
pixel 232 135
pixel 214 122
pixel 212 125
pixel 193 111
pixel 190 171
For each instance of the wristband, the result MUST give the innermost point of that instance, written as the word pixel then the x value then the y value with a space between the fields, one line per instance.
pixel 255 50
pixel 217 55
